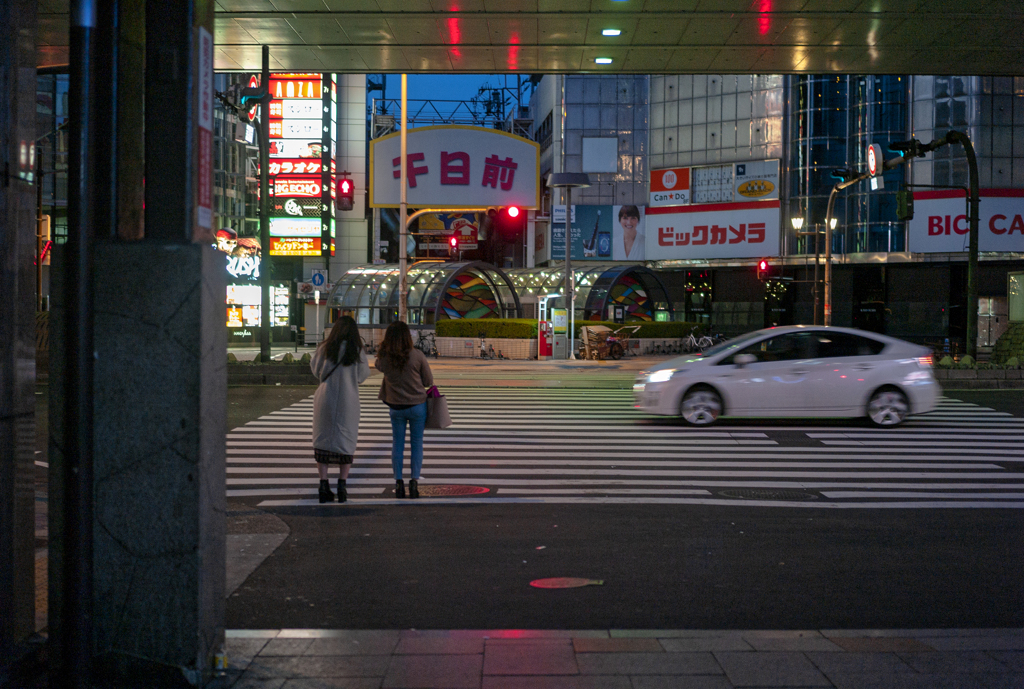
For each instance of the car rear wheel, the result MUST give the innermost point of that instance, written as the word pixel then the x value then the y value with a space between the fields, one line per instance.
pixel 888 407
pixel 700 406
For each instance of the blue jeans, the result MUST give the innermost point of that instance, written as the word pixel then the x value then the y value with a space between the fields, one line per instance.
pixel 416 417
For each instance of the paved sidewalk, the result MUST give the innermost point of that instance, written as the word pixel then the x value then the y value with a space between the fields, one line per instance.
pixel 624 659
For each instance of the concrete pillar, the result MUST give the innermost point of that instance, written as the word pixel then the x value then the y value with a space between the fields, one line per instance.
pixel 160 386
pixel 17 326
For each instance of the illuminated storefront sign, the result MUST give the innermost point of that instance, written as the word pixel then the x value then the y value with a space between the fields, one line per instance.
pixel 456 166
pixel 301 109
pixel 294 129
pixel 295 246
pixel 307 86
pixel 295 227
pixel 304 188
pixel 243 305
pixel 940 222
pixel 755 180
pixel 296 208
pixel 298 166
pixel 726 230
pixel 303 116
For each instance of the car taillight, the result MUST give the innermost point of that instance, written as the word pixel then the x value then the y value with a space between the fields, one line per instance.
pixel 924 361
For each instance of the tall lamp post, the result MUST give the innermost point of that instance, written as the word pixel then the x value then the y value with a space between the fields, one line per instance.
pixel 569 181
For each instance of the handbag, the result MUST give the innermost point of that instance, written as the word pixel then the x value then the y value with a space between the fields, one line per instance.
pixel 437 409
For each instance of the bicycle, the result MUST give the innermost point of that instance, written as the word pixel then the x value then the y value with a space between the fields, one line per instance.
pixel 427 344
pixel 486 351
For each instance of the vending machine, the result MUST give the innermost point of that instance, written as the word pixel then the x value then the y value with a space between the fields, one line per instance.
pixel 545 330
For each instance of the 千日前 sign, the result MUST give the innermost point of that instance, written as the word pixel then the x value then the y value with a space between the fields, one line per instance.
pixel 940 222
pixel 456 166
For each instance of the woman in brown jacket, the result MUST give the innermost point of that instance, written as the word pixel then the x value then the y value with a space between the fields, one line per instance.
pixel 406 379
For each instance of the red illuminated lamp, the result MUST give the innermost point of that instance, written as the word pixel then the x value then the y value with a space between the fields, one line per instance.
pixel 513 211
pixel 346 194
pixel 762 269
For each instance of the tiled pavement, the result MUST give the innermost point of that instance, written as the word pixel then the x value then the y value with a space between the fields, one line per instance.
pixel 625 659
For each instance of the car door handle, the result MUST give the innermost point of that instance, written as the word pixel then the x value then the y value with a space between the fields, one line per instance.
pixel 800 372
pixel 864 367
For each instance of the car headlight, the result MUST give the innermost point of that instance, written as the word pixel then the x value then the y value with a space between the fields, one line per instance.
pixel 661 376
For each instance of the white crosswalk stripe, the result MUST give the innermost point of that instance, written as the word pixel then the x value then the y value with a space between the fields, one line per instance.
pixel 578 445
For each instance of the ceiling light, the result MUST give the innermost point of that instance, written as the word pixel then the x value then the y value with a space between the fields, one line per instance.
pixel 603 60
pixel 610 32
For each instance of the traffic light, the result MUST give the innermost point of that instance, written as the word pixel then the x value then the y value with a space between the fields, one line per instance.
pixel 346 194
pixel 513 211
pixel 844 174
pixel 763 269
pixel 453 245
pixel 904 205
pixel 907 149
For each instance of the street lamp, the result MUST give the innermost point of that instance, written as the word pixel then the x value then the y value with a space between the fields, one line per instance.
pixel 569 181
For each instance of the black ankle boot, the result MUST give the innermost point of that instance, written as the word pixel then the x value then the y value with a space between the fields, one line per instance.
pixel 414 489
pixel 325 491
pixel 342 491
pixel 399 489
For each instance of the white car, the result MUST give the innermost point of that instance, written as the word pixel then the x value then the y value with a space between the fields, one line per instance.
pixel 797 370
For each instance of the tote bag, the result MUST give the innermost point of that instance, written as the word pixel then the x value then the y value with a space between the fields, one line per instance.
pixel 437 409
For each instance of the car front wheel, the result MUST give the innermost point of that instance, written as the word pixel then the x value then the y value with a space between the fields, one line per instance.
pixel 700 406
pixel 888 407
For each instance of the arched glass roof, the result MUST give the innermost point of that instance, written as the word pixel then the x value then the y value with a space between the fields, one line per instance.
pixel 636 288
pixel 437 291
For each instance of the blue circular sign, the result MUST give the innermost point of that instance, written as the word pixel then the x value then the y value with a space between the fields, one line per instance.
pixel 317 279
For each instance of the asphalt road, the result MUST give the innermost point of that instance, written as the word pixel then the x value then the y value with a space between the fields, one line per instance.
pixel 415 565
pixel 664 567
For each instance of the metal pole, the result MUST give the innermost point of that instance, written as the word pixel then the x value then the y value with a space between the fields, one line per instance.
pixel 265 353
pixel 403 211
pixel 74 637
pixel 817 291
pixel 972 246
pixel 39 228
pixel 828 256
pixel 570 296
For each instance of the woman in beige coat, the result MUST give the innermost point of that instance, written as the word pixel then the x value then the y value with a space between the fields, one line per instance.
pixel 340 364
pixel 406 379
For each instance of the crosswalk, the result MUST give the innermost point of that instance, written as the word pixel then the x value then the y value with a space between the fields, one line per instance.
pixel 537 445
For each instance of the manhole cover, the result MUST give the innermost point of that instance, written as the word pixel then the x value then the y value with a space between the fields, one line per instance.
pixel 564 583
pixel 767 494
pixel 448 491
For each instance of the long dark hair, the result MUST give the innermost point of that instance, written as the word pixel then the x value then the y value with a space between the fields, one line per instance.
pixel 344 331
pixel 397 344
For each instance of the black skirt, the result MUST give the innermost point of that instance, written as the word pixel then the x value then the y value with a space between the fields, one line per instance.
pixel 327 457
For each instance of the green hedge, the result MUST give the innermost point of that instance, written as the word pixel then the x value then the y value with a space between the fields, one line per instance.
pixel 1010 344
pixel 493 328
pixel 526 328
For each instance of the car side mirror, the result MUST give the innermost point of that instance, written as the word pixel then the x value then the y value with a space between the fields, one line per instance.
pixel 742 360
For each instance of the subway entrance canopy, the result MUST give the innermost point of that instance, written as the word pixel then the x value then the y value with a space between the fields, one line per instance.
pixel 981 37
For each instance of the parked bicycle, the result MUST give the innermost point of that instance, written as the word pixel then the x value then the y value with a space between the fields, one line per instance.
pixel 691 343
pixel 427 344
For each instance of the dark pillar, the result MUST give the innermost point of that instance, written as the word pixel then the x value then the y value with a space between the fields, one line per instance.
pixel 17 326
pixel 157 603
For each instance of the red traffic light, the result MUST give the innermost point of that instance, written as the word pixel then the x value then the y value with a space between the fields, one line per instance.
pixel 513 211
pixel 453 241
pixel 346 194
pixel 763 265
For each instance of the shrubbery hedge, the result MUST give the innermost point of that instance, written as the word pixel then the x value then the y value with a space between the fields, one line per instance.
pixel 492 328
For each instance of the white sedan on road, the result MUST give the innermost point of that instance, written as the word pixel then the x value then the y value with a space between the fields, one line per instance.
pixel 797 370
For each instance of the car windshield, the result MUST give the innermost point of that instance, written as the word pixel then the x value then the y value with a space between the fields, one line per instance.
pixel 731 344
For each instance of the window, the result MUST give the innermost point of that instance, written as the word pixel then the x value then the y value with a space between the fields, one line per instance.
pixel 832 345
pixel 786 347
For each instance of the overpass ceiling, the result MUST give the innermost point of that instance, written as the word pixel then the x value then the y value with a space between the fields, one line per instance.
pixel 983 37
